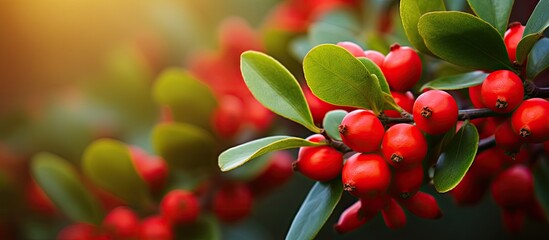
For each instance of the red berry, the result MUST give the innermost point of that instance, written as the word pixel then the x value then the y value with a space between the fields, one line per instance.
pixel 487 164
pixel 318 107
pixel 121 223
pixel 353 48
pixel 469 191
pixel 393 215
pixel 402 68
pixel 180 207
pixel 152 169
pixel 404 100
pixel 374 204
pixel 38 200
pixel 512 38
pixel 77 231
pixel 320 163
pixel 435 112
pixel 352 218
pixel 422 205
pixel 278 171
pixel 258 116
pixel 375 56
pixel 156 228
pixel 366 175
pixel 404 145
pixel 233 202
pixel 502 91
pixel 531 120
pixel 362 131
pixel 476 96
pixel 227 118
pixel 513 188
pixel 507 139
pixel 406 182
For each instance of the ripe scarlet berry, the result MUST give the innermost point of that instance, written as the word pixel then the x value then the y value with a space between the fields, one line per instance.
pixel 476 96
pixel 502 91
pixel 152 169
pixel 487 164
pixel 180 207
pixel 512 37
pixel 404 100
pixel 232 202
pixel 320 163
pixel 80 231
pixel 507 139
pixel 513 188
pixel 375 56
pixel 402 68
pixel 393 215
pixel 121 223
pixel 366 175
pixel 278 171
pixel 361 130
pixel 374 204
pixel 352 218
pixel 403 145
pixel 353 48
pixel 531 120
pixel 155 228
pixel 422 205
pixel 406 182
pixel 470 190
pixel 318 107
pixel 435 112
pixel 228 116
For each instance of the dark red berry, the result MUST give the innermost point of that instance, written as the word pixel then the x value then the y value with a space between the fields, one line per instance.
pixel 403 100
pixel 233 202
pixel 77 231
pixel 513 188
pixel 507 139
pixel 278 171
pixel 352 218
pixel 406 182
pixel 404 145
pixel 422 205
pixel 366 175
pixel 394 215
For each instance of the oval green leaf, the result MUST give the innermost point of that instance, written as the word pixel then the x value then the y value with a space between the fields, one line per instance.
pixel 495 12
pixel 337 77
pixel 249 171
pixel 455 82
pixel 276 88
pixel 374 69
pixel 184 146
pixel 541 184
pixel 464 40
pixel 331 123
pixel 315 210
pixel 410 12
pixel 61 183
pixel 525 46
pixel 236 156
pixel 539 19
pixel 538 59
pixel 456 158
pixel 108 164
pixel 190 100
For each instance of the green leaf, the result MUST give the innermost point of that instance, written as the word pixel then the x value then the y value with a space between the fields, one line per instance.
pixel 538 60
pixel 249 171
pixel 374 69
pixel 337 77
pixel 525 46
pixel 343 18
pixel 299 47
pixel 331 123
pixel 464 40
pixel 320 33
pixel 190 100
pixel 455 5
pixel 541 184
pixel 456 159
pixel 236 156
pixel 539 19
pixel 455 82
pixel 184 146
pixel 108 164
pixel 62 184
pixel 410 12
pixel 276 88
pixel 315 210
pixel 495 12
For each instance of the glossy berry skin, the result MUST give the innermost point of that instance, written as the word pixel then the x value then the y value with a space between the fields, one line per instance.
pixel 531 120
pixel 77 231
pixel 512 37
pixel 374 204
pixel 232 202
pixel 406 182
pixel 502 91
pixel 180 207
pixel 352 218
pixel 320 163
pixel 507 139
pixel 435 112
pixel 366 175
pixel 375 56
pixel 403 145
pixel 402 68
pixel 394 215
pixel 353 48
pixel 121 223
pixel 403 100
pixel 278 171
pixel 362 131
pixel 422 205
pixel 476 96
pixel 155 228
pixel 513 188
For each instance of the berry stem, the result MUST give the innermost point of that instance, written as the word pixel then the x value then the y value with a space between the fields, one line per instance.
pixel 540 92
pixel 465 114
pixel 486 143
